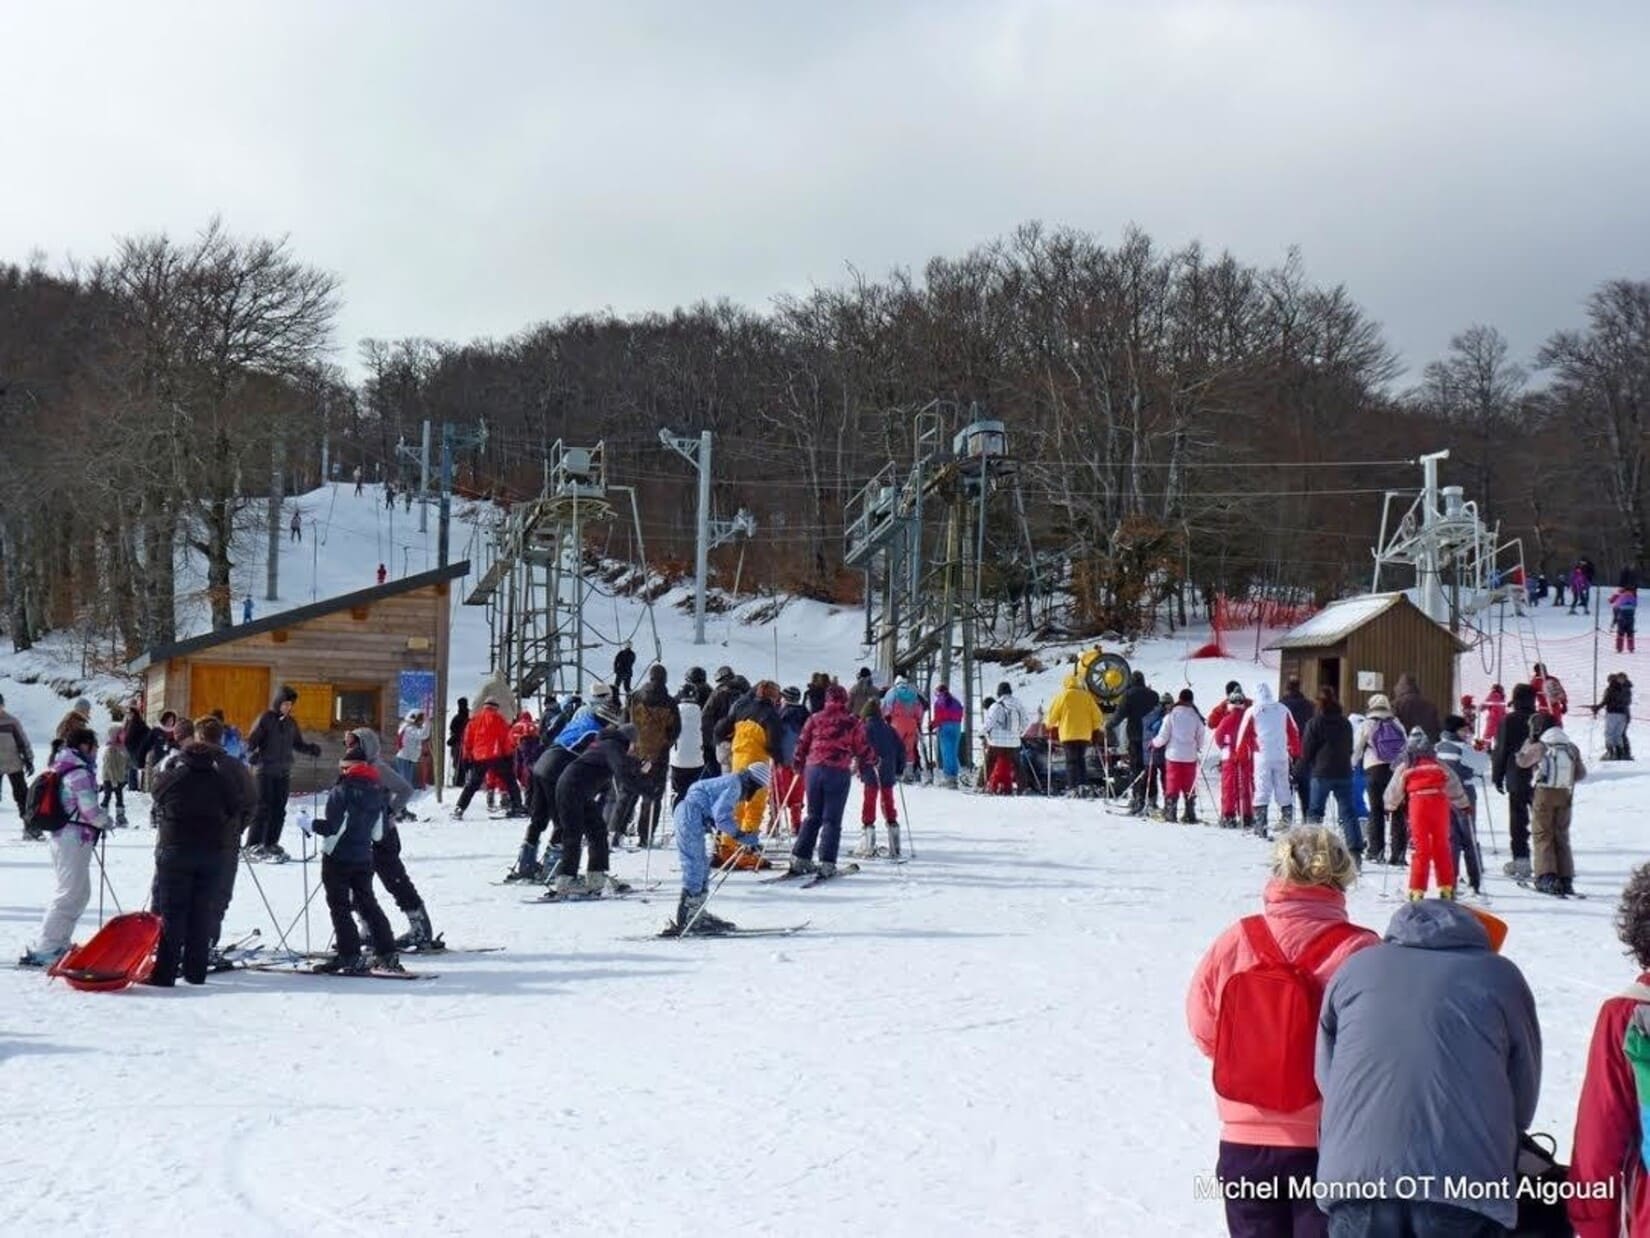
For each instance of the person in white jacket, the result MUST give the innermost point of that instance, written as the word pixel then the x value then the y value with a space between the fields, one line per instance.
pixel 1268 736
pixel 1005 723
pixel 410 746
pixel 1181 739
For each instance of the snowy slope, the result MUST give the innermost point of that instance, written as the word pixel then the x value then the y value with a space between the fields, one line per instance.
pixel 988 1039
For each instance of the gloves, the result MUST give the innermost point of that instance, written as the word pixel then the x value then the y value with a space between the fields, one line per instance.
pixel 751 841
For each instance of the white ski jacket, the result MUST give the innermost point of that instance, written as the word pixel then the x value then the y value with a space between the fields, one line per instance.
pixel 1181 735
pixel 1268 730
pixel 1005 722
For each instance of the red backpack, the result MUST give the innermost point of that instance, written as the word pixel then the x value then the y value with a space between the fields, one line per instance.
pixel 1266 1034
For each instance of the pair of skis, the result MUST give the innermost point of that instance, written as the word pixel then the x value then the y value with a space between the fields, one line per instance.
pixel 807 881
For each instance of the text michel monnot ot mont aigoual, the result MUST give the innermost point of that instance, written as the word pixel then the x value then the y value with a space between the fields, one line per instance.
pixel 1435 1188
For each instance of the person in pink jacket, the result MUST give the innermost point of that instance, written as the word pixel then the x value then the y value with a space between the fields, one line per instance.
pixel 1305 914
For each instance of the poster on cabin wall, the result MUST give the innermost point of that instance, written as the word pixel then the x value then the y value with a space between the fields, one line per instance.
pixel 415 693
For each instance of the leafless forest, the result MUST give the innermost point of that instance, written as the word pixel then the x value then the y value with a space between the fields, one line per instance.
pixel 1183 421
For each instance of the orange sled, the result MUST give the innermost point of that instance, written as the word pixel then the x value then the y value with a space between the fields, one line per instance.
pixel 122 953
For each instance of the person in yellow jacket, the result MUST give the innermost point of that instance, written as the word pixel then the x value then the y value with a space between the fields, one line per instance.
pixel 1074 719
pixel 757 737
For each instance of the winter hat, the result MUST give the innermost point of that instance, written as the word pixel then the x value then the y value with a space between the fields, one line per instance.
pixel 723 674
pixel 793 695
pixel 696 674
pixel 353 752
pixel 657 674
pixel 1419 743
pixel 1454 723
pixel 1379 706
pixel 759 773
pixel 900 681
pixel 864 672
pixel 1005 689
pixel 83 707
pixel 1166 700
pixel 1186 697
pixel 836 692
pixel 600 690
pixel 870 710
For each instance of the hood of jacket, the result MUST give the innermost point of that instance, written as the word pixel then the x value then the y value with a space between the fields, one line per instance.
pixel 1436 924
pixel 1263 694
pixel 368 739
pixel 836 699
pixel 1071 682
pixel 1555 735
pixel 200 756
pixel 283 693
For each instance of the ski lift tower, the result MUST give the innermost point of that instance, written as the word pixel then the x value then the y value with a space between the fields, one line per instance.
pixel 1442 538
pixel 535 587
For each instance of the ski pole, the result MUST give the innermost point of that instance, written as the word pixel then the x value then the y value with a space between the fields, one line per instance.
pixel 103 879
pixel 273 919
pixel 905 812
pixel 1489 820
pixel 725 871
pixel 304 853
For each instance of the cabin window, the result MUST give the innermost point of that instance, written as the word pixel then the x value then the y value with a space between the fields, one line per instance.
pixel 355 706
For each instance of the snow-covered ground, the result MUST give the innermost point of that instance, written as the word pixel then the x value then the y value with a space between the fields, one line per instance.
pixel 988 1039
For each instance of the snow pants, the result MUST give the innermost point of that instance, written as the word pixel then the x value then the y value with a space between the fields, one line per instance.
pixel 1518 811
pixel 503 769
pixel 1463 839
pixel 274 786
pixel 750 745
pixel 680 780
pixel 827 801
pixel 868 805
pixel 72 848
pixel 1270 1211
pixel 690 849
pixel 350 886
pixel 547 771
pixel 187 882
pixel 1552 833
pixel 1394 1218
pixel 1615 734
pixel 1376 778
pixel 1341 790
pixel 1001 770
pixel 581 823
pixel 787 792
pixel 20 788
pixel 1077 763
pixel 1179 778
pixel 1624 631
pixel 1237 789
pixel 386 863
pixel 950 742
pixel 1272 783
pixel 1429 836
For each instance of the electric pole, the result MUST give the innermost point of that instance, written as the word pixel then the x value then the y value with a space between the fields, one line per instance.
pixel 452 439
pixel 424 481
pixel 271 592
pixel 697 453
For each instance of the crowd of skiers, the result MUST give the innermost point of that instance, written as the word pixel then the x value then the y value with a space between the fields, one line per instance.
pixel 1373 1085
pixel 217 801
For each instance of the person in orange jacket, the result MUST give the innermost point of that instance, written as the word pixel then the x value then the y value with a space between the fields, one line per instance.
pixel 488 748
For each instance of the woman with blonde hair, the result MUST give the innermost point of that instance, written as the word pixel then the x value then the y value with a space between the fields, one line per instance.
pixel 1252 1008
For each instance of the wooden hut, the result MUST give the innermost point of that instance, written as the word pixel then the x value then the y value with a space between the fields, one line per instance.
pixel 361 659
pixel 1360 646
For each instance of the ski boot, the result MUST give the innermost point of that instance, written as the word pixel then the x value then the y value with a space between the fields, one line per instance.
pixel 344 965
pixel 1416 896
pixel 1286 816
pixel 420 935
pixel 458 814
pixel 800 867
pixel 1447 893
pixel 1548 883
pixel 40 958
pixel 893 840
pixel 692 920
pixel 390 962
pixel 1227 822
pixel 32 835
pixel 825 871
pixel 568 885
pixel 1258 822
pixel 492 801
pixel 1171 809
pixel 867 843
pixel 1189 817
pixel 275 854
pixel 1566 886
pixel 597 884
pixel 1518 870
pixel 120 818
pixel 527 865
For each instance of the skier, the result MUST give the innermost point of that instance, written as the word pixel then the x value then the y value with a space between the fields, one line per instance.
pixel 16 761
pixel 570 741
pixel 1456 754
pixel 831 742
pixel 756 736
pixel 1617 705
pixel 1217 715
pixel 1379 745
pixel 903 709
pixel 1414 710
pixel 658 722
pixel 136 740
pixel 1580 589
pixel 946 719
pixel 879 777
pixel 274 739
pixel 386 849
pixel 1427 790
pixel 687 754
pixel 580 791
pixel 786 794
pixel 383 573
pixel 1301 710
pixel 297 526
pixel 1513 780
pixel 1267 1135
pixel 528 746
pixel 1550 697
pixel 815 697
pixel 729 688
pixel 1139 703
pixel 72 847
pixel 78 717
pixel 1005 722
pixel 455 740
pixel 1326 760
pixel 1236 776
pixel 356 813
pixel 359 483
pixel 1556 764
pixel 710 805
pixel 487 749
pixel 864 689
pixel 1624 608
pixel 1154 755
pixel 389 494
pixel 111 768
pixel 695 679
pixel 1074 723
pixel 409 747
pixel 1180 738
pixel 199 805
pixel 1266 745
pixel 624 666
pixel 246 609
pixel 1612 1191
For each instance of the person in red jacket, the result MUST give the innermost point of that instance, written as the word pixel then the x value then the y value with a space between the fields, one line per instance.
pixel 1608 1156
pixel 1237 774
pixel 488 748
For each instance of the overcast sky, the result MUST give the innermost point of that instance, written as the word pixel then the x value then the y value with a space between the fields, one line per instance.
pixel 470 168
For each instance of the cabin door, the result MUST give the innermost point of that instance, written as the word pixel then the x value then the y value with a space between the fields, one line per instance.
pixel 242 692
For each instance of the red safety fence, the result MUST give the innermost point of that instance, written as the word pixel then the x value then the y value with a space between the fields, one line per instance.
pixel 1509 658
pixel 1243 627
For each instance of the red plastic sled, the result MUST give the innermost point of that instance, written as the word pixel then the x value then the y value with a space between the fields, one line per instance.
pixel 122 953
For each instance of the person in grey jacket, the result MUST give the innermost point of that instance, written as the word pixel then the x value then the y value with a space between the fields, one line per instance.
pixel 16 757
pixel 1429 1061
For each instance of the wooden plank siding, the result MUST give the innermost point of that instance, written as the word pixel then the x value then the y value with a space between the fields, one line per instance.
pixel 1403 641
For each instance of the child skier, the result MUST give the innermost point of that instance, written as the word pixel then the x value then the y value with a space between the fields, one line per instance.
pixel 1426 790
pixel 708 807
pixel 1557 764
pixel 386 850
pixel 879 777
pixel 1180 738
pixel 356 816
pixel 1624 606
pixel 113 766
pixel 1490 715
pixel 72 845
pixel 1456 753
pixel 787 783
pixel 1149 727
pixel 1617 705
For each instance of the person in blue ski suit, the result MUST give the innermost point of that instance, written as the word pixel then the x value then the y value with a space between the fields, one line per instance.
pixel 708 807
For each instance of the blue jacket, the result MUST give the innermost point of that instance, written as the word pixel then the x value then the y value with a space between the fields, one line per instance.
pixel 709 803
pixel 791 721
pixel 890 750
pixel 582 724
pixel 356 808
pixel 1429 1060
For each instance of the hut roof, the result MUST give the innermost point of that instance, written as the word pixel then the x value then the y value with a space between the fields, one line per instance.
pixel 1335 622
